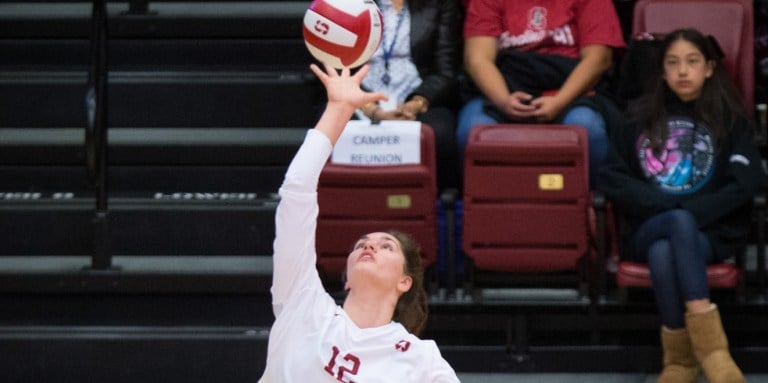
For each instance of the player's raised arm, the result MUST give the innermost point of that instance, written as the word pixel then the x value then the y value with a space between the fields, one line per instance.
pixel 294 245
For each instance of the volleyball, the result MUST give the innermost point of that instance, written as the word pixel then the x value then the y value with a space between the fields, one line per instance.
pixel 342 33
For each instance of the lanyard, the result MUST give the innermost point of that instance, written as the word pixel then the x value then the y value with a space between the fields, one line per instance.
pixel 388 52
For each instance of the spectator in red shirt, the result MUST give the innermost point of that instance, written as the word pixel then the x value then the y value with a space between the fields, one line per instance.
pixel 536 61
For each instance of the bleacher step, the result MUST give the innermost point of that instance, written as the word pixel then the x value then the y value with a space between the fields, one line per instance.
pixel 139 226
pixel 220 274
pixel 132 354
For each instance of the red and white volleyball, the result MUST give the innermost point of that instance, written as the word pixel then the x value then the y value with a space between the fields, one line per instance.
pixel 342 33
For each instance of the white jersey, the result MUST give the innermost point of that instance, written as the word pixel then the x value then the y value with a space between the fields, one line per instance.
pixel 313 339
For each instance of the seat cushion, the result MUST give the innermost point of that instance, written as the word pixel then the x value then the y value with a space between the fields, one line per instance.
pixel 636 274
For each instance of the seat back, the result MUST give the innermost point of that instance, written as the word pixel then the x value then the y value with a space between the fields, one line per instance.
pixel 729 21
pixel 525 197
pixel 356 200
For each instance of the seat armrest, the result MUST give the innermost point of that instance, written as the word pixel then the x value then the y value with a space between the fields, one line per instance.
pixel 448 198
pixel 600 269
pixel 759 205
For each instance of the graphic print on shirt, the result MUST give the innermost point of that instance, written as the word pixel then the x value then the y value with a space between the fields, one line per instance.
pixel 686 161
pixel 537 34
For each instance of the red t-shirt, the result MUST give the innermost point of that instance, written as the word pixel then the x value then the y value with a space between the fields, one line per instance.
pixel 559 27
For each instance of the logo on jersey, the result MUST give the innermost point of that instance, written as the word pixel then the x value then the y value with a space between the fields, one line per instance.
pixel 537 18
pixel 402 345
pixel 685 162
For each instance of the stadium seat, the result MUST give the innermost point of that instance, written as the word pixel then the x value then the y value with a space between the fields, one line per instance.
pixel 731 23
pixel 355 200
pixel 526 197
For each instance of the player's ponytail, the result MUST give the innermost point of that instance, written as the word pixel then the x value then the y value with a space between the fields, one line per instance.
pixel 411 310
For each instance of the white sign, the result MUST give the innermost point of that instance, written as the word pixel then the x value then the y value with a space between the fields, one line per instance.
pixel 387 143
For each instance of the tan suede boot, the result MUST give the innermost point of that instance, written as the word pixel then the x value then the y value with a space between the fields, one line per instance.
pixel 680 364
pixel 711 347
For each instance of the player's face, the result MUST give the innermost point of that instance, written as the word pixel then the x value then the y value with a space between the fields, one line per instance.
pixel 378 258
pixel 686 69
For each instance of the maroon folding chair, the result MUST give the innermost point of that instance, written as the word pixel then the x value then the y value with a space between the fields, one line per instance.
pixel 526 196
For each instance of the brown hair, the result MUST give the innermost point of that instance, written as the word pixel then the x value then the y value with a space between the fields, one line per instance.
pixel 411 310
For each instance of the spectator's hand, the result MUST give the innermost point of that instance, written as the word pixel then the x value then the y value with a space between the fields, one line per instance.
pixel 517 106
pixel 409 110
pixel 547 108
pixel 390 115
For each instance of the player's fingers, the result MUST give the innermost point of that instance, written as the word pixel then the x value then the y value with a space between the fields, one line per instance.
pixel 362 72
pixel 319 73
pixel 330 70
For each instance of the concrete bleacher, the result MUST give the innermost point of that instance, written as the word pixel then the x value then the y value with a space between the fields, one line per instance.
pixel 208 101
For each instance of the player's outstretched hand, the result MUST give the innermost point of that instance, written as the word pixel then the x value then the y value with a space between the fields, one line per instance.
pixel 344 96
pixel 344 88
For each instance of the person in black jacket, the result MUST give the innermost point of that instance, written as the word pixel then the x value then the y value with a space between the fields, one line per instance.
pixel 417 65
pixel 682 174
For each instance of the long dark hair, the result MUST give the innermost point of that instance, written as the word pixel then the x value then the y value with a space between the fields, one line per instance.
pixel 411 309
pixel 719 105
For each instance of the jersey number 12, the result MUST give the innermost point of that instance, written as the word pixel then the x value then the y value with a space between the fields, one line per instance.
pixel 344 369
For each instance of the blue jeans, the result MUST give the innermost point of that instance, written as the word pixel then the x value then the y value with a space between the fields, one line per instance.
pixel 677 254
pixel 472 114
